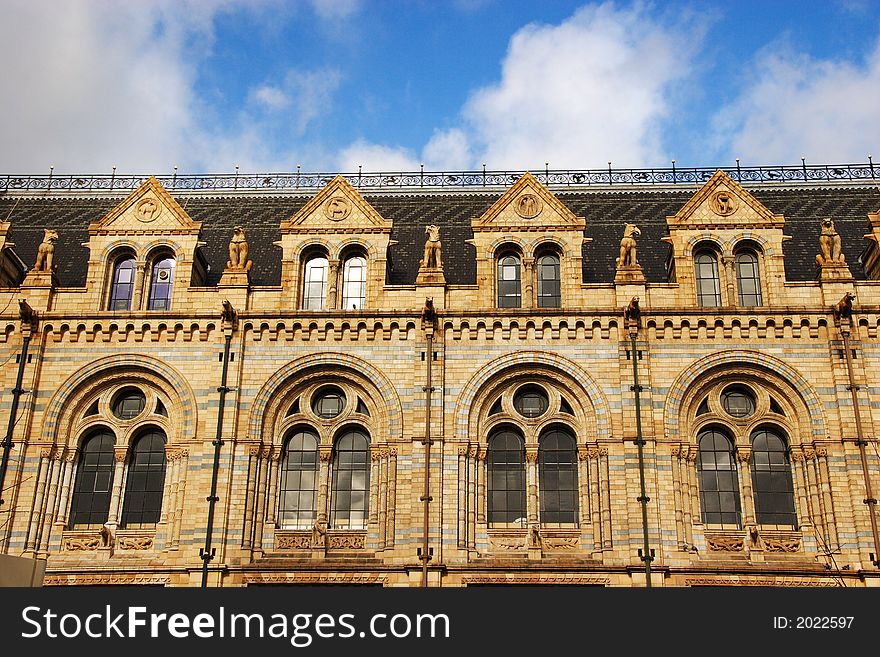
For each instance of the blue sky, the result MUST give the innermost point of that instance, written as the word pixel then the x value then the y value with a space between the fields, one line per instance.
pixel 389 85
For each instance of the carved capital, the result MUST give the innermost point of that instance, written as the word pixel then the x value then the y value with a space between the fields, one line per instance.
pixel 325 453
pixel 743 455
pixel 583 454
pixel 531 454
pixel 821 452
pixel 119 454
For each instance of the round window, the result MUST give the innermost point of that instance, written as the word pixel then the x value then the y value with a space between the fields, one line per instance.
pixel 328 402
pixel 129 403
pixel 530 401
pixel 738 401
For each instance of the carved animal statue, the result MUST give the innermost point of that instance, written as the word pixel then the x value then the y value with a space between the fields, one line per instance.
pixel 534 538
pixel 238 251
pixel 843 309
pixel 632 311
pixel 319 534
pixel 829 244
pixel 432 259
pixel 429 315
pixel 228 312
pixel 46 251
pixel 627 256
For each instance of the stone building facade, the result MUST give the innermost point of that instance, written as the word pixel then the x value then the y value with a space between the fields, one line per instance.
pixel 750 313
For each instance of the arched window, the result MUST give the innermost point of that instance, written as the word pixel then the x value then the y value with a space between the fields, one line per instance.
pixel 771 480
pixel 161 283
pixel 748 278
pixel 548 281
pixel 299 480
pixel 354 283
pixel 557 472
pixel 122 285
pixel 146 480
pixel 94 480
pixel 315 283
pixel 509 282
pixel 349 498
pixel 719 488
pixel 708 282
pixel 507 478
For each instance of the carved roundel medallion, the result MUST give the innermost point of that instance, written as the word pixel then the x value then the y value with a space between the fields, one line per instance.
pixel 528 206
pixel 723 203
pixel 337 208
pixel 147 210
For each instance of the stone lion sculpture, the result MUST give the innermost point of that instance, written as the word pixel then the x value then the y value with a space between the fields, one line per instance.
pixel 238 251
pixel 829 244
pixel 46 251
pixel 627 256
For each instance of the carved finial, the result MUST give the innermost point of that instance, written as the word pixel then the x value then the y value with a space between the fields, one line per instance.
pixel 238 251
pixel 429 315
pixel 46 251
pixel 829 245
pixel 627 256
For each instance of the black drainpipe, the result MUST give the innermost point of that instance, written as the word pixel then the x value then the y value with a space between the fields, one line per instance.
pixel 632 316
pixel 207 552
pixel 28 320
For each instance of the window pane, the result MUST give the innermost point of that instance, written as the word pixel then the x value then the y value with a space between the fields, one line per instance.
pixel 771 479
pixel 94 476
pixel 748 278
pixel 507 477
pixel 161 284
pixel 354 283
pixel 146 480
pixel 122 285
pixel 299 469
pixel 719 488
pixel 315 284
pixel 509 282
pixel 548 281
pixel 557 474
pixel 708 283
pixel 349 497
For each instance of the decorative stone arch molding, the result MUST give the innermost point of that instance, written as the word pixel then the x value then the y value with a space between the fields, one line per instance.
pixel 506 241
pixel 596 412
pixel 68 403
pixel 756 361
pixel 270 400
pixel 702 239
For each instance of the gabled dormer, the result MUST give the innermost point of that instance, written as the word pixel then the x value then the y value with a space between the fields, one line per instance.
pixel 528 249
pixel 143 253
pixel 334 251
pixel 870 257
pixel 12 267
pixel 727 247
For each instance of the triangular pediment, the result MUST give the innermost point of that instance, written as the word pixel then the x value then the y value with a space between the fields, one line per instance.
pixel 528 205
pixel 723 202
pixel 149 208
pixel 338 208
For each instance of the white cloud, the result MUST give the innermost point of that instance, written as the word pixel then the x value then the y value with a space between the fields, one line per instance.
pixel 272 97
pixel 375 158
pixel 796 106
pixel 593 88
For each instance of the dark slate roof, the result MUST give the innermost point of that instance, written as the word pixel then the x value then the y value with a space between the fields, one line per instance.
pixel 606 213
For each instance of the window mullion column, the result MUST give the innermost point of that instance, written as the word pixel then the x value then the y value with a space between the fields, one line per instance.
pixel 743 455
pixel 325 454
pixel 332 284
pixel 532 497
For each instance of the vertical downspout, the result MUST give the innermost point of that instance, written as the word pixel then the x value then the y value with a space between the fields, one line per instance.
pixel 28 320
pixel 632 316
pixel 428 323
pixel 207 552
pixel 843 311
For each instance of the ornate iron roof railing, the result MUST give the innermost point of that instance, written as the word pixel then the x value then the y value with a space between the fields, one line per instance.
pixel 553 178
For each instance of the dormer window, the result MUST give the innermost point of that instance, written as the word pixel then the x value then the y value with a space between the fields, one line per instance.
pixel 354 283
pixel 122 285
pixel 707 279
pixel 549 281
pixel 748 278
pixel 315 283
pixel 161 283
pixel 509 281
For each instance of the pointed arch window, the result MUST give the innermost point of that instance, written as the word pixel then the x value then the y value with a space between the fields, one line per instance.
pixel 94 479
pixel 507 478
pixel 719 487
pixel 708 281
pixel 748 278
pixel 509 281
pixel 122 284
pixel 771 479
pixel 315 283
pixel 161 283
pixel 549 281
pixel 299 480
pixel 349 498
pixel 146 480
pixel 354 283
pixel 557 472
